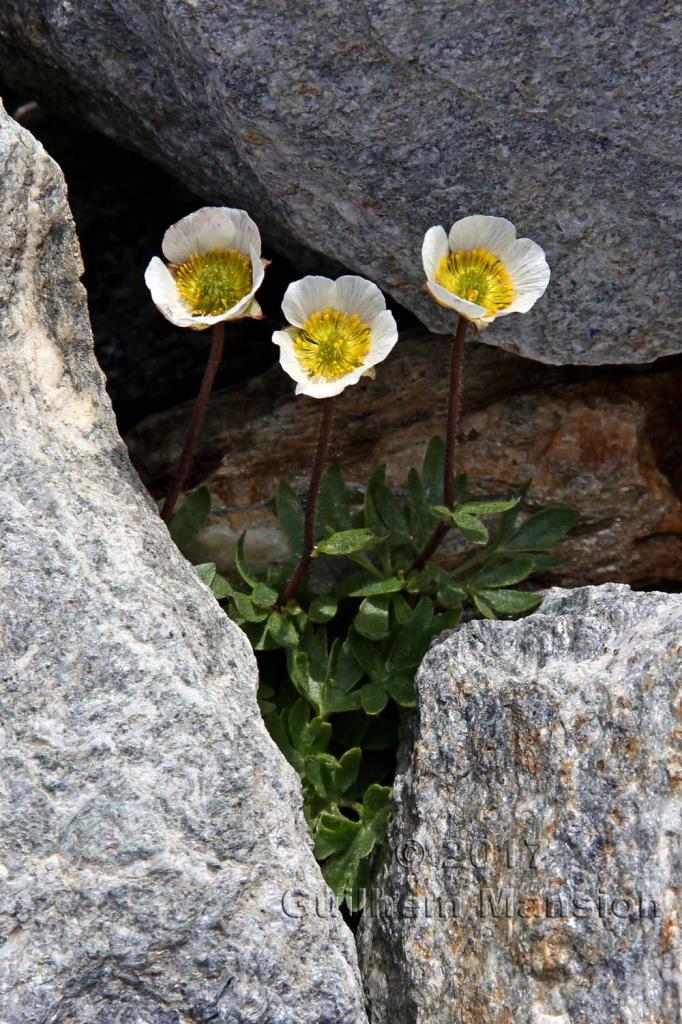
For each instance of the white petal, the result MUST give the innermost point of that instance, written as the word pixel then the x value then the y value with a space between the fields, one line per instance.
pixel 384 336
pixel 258 267
pixel 358 295
pixel 530 273
pixel 327 388
pixel 165 297
pixel 287 356
pixel 470 310
pixel 496 234
pixel 305 297
pixel 434 248
pixel 212 227
pixel 281 338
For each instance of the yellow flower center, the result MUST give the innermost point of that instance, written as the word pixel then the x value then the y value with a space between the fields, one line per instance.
pixel 331 344
pixel 477 276
pixel 213 282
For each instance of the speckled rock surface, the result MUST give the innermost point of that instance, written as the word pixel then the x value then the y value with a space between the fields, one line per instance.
pixel 351 127
pixel 149 826
pixel 535 863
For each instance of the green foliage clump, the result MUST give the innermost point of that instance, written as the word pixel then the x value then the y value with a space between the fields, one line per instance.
pixel 338 663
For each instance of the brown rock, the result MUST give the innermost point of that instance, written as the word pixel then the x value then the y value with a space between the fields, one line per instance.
pixel 603 442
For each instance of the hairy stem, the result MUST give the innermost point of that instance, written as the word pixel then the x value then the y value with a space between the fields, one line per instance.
pixel 311 506
pixel 196 423
pixel 451 443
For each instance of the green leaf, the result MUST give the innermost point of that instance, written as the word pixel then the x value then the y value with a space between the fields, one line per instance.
pixel 415 491
pixel 314 643
pixel 433 471
pixel 510 602
pixel 541 561
pixel 188 521
pixel 344 666
pixel 430 575
pixel 545 529
pixel 221 587
pixel 343 674
pixel 242 568
pixel 383 513
pixel 443 512
pixel 317 735
pixel 322 608
pixel 401 688
pixel 297 720
pixel 373 697
pixel 331 778
pixel 402 609
pixel 372 519
pixel 349 766
pixel 503 573
pixel 487 508
pixel 413 639
pixel 389 586
pixel 300 674
pixel 247 609
pixel 291 516
pixel 263 597
pixel 344 845
pixel 470 527
pixel 372 618
pixel 281 630
pixel 297 735
pixel 446 620
pixel 206 572
pixel 486 610
pixel 333 506
pixel 460 486
pixel 347 542
pixel 335 832
pixel 451 596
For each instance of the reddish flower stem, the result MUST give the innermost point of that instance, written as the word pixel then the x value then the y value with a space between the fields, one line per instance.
pixel 196 423
pixel 311 506
pixel 451 444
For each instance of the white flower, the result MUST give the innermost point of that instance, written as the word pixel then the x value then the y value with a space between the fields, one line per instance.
pixel 340 330
pixel 214 271
pixel 483 270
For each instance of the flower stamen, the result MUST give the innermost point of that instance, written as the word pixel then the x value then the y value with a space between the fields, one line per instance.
pixel 477 276
pixel 212 282
pixel 332 344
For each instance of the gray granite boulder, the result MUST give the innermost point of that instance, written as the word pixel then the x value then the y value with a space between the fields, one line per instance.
pixel 535 862
pixel 352 127
pixel 149 827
